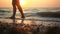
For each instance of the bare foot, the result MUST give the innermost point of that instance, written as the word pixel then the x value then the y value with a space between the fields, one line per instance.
pixel 12 17
pixel 23 17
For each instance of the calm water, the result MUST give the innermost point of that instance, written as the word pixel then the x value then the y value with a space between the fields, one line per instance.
pixel 27 11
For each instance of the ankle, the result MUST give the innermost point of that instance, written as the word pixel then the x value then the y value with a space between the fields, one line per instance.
pixel 23 17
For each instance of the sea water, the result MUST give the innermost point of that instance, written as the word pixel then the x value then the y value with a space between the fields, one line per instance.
pixel 7 12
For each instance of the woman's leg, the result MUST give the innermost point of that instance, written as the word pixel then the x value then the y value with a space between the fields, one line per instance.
pixel 14 11
pixel 20 9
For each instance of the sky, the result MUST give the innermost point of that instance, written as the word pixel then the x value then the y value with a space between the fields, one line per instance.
pixel 32 3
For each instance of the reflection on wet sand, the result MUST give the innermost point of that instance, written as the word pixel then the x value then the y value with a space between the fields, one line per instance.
pixel 21 21
pixel 28 21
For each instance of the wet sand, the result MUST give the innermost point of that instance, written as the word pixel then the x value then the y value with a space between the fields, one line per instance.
pixel 29 25
pixel 30 20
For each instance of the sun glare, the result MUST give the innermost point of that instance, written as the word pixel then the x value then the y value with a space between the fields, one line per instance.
pixel 22 2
